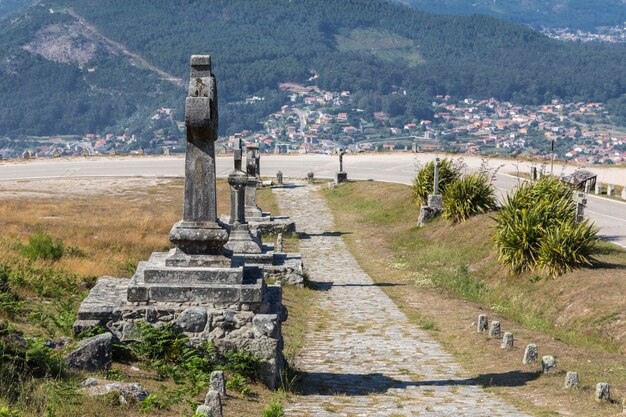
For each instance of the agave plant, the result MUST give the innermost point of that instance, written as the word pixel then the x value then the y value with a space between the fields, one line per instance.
pixel 566 246
pixel 536 228
pixel 468 196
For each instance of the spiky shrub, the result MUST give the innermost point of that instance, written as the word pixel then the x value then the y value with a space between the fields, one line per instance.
pixel 449 171
pixel 468 196
pixel 566 246
pixel 538 216
pixel 41 246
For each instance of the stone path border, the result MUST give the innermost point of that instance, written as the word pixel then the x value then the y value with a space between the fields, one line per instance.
pixel 362 356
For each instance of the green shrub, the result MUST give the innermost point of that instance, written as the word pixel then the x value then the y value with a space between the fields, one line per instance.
pixel 536 215
pixel 41 246
pixel 449 171
pixel 467 197
pixel 274 409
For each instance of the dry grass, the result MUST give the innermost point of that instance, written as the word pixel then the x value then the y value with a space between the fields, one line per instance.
pixel 115 231
pixel 450 274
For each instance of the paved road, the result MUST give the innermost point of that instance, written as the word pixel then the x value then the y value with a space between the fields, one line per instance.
pixel 609 215
pixel 363 357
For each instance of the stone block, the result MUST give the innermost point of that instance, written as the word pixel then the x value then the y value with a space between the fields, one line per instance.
pixel 84 326
pixel 105 300
pixel 435 201
pixel 214 402
pixel 92 354
pixel 341 177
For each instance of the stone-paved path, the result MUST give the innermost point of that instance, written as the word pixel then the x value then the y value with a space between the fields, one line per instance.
pixel 362 356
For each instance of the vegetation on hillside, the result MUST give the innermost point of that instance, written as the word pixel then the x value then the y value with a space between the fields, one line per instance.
pixel 423 182
pixel 411 56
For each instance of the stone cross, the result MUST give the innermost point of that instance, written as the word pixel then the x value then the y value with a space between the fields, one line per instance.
pixel 237 181
pixel 252 210
pixel 199 233
pixel 251 164
pixel 436 180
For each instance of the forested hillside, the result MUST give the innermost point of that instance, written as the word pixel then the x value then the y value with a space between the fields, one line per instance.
pixel 579 14
pixel 8 7
pixel 387 55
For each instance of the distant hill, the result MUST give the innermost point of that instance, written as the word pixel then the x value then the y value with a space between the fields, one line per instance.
pixel 577 14
pixel 8 7
pixel 76 66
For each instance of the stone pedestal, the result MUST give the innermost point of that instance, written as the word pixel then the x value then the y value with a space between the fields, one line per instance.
pixel 202 287
pixel 341 177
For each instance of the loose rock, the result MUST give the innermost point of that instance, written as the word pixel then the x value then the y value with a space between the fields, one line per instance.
pixel 192 320
pixel 531 354
pixel 571 380
pixel 92 354
pixel 507 341
pixel 129 393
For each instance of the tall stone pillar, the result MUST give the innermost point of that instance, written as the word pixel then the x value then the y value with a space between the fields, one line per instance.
pixel 199 234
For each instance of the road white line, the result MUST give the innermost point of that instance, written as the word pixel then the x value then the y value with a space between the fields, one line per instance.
pixel 605 215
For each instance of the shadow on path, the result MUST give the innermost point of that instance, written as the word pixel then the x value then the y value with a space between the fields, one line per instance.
pixel 323 383
pixel 305 235
pixel 327 285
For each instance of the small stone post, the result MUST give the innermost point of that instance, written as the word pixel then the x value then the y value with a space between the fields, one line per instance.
pixel 310 177
pixel 279 178
pixel 279 243
pixel 531 354
pixel 414 147
pixel 571 380
pixel 623 193
pixel 212 405
pixel 217 382
pixel 112 152
pixel 507 341
pixel 533 173
pixel 494 329
pixel 166 150
pixel 548 364
pixel 598 189
pixel 277 149
pixel 141 151
pixel 610 190
pixel 603 392
pixel 581 202
pixel 483 323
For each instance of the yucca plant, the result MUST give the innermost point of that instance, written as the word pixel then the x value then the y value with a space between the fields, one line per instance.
pixel 536 228
pixel 468 196
pixel 449 171
pixel 566 246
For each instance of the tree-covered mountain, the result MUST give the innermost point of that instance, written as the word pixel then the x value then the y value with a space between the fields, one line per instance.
pixel 578 14
pixel 82 65
pixel 8 7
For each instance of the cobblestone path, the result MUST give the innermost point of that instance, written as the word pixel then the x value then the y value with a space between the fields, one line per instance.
pixel 362 356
